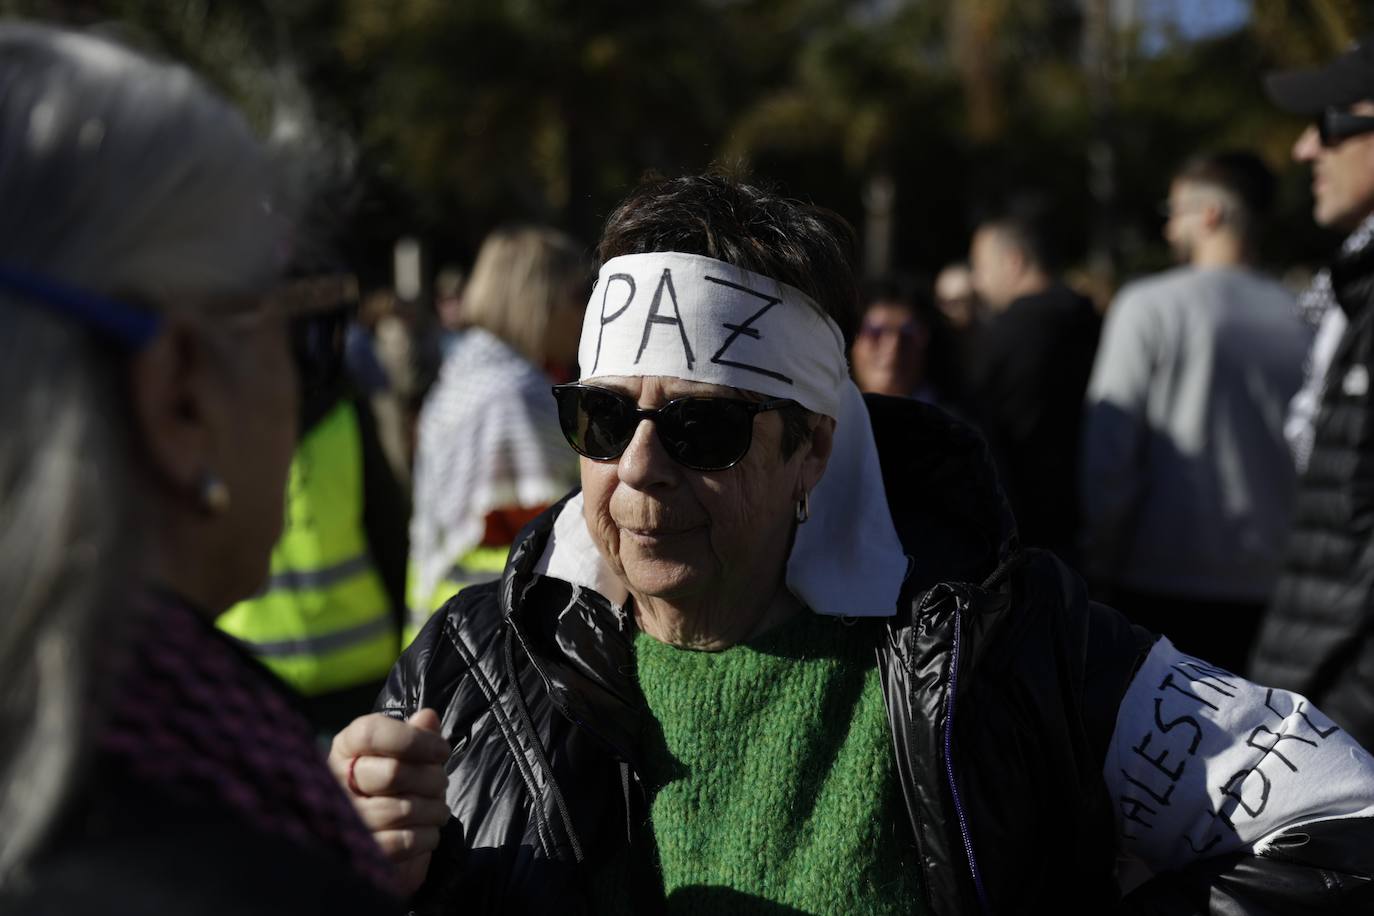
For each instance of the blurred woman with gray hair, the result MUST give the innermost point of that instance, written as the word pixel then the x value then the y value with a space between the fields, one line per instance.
pixel 148 764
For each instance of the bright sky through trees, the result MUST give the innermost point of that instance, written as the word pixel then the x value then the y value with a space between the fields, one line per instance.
pixel 1190 19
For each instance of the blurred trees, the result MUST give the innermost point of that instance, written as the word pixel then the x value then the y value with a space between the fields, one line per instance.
pixel 451 116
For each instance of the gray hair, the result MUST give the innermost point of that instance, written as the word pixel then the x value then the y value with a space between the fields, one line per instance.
pixel 124 177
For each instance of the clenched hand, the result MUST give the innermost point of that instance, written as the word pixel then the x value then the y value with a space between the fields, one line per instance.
pixel 394 774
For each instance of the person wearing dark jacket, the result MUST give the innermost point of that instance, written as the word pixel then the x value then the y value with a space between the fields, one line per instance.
pixel 782 652
pixel 149 764
pixel 1318 634
pixel 1029 369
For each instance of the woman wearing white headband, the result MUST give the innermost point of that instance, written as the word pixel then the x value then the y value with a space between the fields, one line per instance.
pixel 782 652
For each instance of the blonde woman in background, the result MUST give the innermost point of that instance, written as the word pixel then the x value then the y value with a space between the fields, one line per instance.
pixel 489 453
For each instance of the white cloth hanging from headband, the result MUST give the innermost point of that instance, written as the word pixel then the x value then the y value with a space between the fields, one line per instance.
pixel 702 320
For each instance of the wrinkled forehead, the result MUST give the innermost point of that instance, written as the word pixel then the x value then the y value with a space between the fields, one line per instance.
pixel 656 388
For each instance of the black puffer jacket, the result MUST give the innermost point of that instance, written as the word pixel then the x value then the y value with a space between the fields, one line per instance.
pixel 1002 699
pixel 1318 636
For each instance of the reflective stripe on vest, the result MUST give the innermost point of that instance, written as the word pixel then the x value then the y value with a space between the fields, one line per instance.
pixel 323 622
pixel 478 565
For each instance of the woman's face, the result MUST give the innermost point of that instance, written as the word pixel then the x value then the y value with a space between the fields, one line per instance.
pixel 889 350
pixel 217 396
pixel 673 533
pixel 261 410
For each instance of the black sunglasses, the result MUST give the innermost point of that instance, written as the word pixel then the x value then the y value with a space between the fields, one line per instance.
pixel 704 434
pixel 1335 126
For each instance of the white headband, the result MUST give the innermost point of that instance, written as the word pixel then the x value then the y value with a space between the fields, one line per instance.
pixel 697 318
pixel 692 317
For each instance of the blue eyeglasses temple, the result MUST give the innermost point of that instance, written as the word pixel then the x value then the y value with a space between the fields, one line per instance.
pixel 133 327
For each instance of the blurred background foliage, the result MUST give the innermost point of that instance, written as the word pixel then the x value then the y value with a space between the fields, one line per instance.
pixel 443 118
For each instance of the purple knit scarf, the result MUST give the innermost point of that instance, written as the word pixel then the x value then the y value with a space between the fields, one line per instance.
pixel 198 717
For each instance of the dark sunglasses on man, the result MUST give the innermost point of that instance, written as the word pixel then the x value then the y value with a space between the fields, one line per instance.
pixel 701 433
pixel 1335 126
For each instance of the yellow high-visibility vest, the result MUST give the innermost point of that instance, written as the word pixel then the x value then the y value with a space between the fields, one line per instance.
pixel 478 565
pixel 324 621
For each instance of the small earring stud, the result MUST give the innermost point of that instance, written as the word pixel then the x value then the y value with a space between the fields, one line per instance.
pixel 213 493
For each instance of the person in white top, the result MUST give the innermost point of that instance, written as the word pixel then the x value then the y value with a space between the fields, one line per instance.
pixel 489 453
pixel 1187 483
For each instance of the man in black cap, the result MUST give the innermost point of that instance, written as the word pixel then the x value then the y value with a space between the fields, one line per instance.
pixel 1318 636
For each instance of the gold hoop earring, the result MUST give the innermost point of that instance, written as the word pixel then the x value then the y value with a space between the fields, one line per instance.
pixel 213 494
pixel 803 508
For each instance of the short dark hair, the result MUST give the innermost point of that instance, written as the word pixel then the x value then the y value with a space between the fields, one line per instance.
pixel 1026 221
pixel 752 227
pixel 1240 174
pixel 900 287
pixel 746 225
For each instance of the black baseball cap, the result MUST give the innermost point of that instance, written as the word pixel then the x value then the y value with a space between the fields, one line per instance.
pixel 1340 84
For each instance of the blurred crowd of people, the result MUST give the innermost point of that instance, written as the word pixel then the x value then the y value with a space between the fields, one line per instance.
pixel 1161 450
pixel 1158 451
pixel 318 470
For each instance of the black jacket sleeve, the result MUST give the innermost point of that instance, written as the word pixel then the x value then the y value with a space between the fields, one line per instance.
pixel 1325 868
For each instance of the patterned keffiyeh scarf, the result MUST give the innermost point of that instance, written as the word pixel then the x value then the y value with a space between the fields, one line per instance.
pixel 1317 306
pixel 488 439
pixel 1320 296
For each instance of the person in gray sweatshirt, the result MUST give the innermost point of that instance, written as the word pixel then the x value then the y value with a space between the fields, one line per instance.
pixel 1187 483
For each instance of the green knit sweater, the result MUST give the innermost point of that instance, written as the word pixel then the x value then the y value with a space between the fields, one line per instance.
pixel 776 788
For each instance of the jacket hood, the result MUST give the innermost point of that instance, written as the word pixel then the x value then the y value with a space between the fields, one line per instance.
pixel 951 513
